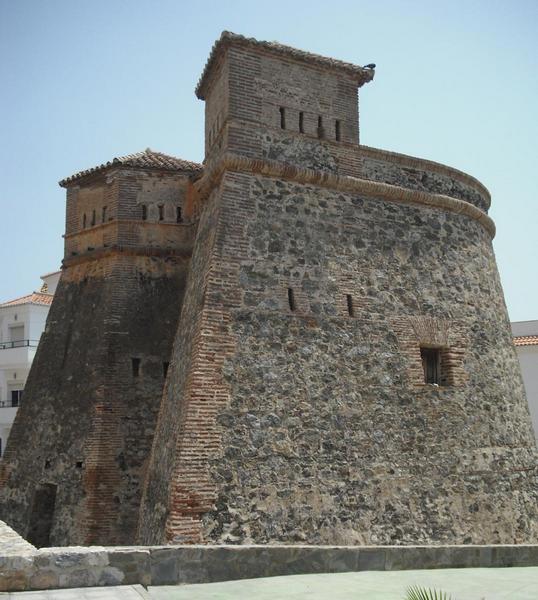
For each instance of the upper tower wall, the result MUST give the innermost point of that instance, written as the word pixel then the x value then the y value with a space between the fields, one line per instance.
pixel 264 100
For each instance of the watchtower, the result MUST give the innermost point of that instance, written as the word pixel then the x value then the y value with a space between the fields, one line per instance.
pixel 343 357
pixel 77 455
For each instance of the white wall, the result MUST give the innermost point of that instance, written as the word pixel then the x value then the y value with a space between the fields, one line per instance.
pixel 528 360
pixel 15 363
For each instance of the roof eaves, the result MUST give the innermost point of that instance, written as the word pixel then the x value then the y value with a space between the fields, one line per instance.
pixel 227 38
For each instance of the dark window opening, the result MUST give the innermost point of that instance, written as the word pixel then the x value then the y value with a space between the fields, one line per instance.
pixel 301 122
pixel 47 464
pixel 16 397
pixel 350 308
pixel 78 464
pixel 135 364
pixel 41 516
pixel 431 364
pixel 291 299
pixel 337 130
pixel 282 118
pixel 165 369
pixel 84 221
pixel 103 216
pixel 144 212
pixel 320 127
pixel 179 218
pixel 161 212
pixel 93 218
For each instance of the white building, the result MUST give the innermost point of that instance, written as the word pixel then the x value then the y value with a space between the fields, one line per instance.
pixel 526 341
pixel 22 322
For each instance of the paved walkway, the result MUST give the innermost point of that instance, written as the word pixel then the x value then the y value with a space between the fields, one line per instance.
pixel 463 584
pixel 519 583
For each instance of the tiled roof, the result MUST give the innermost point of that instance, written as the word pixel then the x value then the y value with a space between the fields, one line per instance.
pixel 35 298
pixel 148 159
pixel 227 37
pixel 526 340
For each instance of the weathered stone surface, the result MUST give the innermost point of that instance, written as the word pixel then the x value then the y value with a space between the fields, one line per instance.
pixel 303 412
pixel 86 426
pixel 201 564
pixel 300 278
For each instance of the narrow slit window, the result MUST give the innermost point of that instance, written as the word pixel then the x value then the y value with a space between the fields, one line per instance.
pixel 84 221
pixel 320 127
pixel 282 118
pixel 350 309
pixel 135 365
pixel 93 218
pixel 104 214
pixel 144 212
pixel 291 300
pixel 161 212
pixel 301 122
pixel 431 364
pixel 337 130
pixel 179 218
pixel 165 369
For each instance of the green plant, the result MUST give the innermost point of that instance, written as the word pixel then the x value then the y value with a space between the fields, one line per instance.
pixel 419 593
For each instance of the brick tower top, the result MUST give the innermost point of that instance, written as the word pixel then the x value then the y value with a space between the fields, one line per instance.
pixel 266 100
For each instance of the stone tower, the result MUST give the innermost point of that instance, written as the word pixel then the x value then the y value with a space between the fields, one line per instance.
pixel 77 452
pixel 327 321
pixel 343 371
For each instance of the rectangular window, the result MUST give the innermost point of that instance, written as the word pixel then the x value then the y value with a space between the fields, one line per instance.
pixel 179 218
pixel 337 130
pixel 431 364
pixel 103 216
pixel 350 309
pixel 135 364
pixel 161 212
pixel 16 334
pixel 301 122
pixel 320 127
pixel 93 218
pixel 291 299
pixel 282 118
pixel 144 212
pixel 16 397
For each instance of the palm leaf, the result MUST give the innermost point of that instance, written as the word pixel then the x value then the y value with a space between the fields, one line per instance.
pixel 419 593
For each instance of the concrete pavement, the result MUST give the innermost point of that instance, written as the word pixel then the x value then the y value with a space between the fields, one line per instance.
pixel 513 583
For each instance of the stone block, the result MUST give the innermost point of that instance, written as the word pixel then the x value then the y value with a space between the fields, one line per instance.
pixel 13 581
pixel 44 580
pixel 165 566
pixel 133 563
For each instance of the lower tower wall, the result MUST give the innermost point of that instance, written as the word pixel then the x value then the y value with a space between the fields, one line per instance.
pixel 87 420
pixel 305 416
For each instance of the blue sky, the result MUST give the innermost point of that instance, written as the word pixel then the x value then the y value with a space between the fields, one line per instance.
pixel 85 80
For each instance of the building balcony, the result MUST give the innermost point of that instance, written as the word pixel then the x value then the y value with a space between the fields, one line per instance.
pixel 17 354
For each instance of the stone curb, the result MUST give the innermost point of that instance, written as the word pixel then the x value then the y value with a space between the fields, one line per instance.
pixel 70 567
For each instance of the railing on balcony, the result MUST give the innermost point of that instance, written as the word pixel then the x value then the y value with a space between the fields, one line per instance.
pixel 19 344
pixel 9 403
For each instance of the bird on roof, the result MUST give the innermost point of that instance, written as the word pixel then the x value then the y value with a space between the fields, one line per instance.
pixel 370 66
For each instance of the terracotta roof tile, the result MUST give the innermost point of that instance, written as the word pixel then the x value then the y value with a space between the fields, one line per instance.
pixel 227 37
pixel 148 159
pixel 526 340
pixel 35 298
